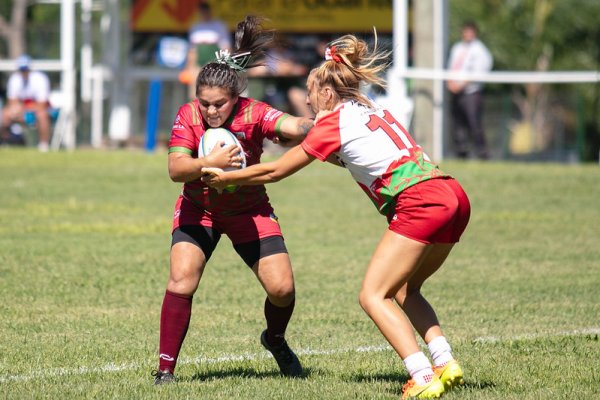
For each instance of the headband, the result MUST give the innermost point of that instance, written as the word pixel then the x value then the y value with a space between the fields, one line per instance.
pixel 237 62
pixel 330 54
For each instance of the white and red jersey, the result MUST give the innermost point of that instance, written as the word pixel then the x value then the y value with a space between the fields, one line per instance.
pixel 36 88
pixel 251 122
pixel 379 153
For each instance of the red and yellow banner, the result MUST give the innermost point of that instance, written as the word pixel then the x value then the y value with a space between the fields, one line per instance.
pixel 293 16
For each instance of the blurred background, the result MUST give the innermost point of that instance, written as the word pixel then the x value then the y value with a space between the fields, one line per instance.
pixel 115 66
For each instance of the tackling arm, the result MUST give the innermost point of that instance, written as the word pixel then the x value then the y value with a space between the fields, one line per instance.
pixel 289 163
pixel 293 130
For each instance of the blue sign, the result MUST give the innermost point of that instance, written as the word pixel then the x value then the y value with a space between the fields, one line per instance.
pixel 172 52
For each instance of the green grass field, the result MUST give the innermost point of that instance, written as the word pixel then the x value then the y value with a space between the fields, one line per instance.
pixel 84 240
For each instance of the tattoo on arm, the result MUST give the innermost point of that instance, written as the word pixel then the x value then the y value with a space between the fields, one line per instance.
pixel 305 126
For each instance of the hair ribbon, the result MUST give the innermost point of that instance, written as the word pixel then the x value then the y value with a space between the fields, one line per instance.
pixel 330 54
pixel 237 62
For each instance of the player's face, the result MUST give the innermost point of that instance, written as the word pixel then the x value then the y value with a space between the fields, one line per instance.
pixel 216 105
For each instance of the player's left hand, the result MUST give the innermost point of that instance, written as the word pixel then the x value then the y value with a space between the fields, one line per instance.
pixel 213 178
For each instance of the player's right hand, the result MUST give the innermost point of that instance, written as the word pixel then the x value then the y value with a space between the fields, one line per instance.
pixel 224 156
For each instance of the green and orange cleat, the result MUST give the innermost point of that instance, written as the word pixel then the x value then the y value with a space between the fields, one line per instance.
pixel 450 374
pixel 430 390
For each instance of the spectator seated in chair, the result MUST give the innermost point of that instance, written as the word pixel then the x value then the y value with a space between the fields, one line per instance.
pixel 27 103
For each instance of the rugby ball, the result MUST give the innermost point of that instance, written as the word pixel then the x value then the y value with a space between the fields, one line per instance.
pixel 209 140
pixel 212 136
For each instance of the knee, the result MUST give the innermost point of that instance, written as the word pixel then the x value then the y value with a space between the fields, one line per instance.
pixel 368 300
pixel 183 283
pixel 282 294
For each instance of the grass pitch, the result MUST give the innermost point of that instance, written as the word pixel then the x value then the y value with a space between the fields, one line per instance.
pixel 84 240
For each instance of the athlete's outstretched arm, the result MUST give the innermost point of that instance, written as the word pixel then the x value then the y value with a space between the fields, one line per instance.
pixel 293 130
pixel 293 160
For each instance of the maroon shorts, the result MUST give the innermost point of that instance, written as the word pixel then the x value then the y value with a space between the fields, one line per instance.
pixel 257 223
pixel 433 211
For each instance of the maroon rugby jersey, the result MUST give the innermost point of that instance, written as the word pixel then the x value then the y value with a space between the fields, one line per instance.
pixel 251 122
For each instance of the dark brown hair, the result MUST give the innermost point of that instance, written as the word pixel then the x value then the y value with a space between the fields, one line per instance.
pixel 251 42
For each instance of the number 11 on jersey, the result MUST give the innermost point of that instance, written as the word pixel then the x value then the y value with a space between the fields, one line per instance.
pixel 392 128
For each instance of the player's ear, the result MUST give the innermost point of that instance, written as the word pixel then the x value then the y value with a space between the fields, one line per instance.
pixel 329 97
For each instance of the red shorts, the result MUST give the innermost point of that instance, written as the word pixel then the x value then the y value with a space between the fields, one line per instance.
pixel 255 224
pixel 433 211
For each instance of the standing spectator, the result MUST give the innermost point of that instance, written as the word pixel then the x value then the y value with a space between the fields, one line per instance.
pixel 470 56
pixel 27 101
pixel 205 38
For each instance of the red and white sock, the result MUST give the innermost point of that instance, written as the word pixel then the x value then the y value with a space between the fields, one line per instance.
pixel 440 351
pixel 419 368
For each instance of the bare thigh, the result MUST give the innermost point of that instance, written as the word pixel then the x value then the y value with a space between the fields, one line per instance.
pixel 395 261
pixel 434 259
pixel 187 266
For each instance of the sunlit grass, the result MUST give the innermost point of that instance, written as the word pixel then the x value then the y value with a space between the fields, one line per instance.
pixel 84 241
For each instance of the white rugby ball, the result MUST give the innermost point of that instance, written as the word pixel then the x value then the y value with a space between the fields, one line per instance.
pixel 212 136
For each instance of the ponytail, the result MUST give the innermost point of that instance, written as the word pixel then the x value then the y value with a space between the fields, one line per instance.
pixel 251 43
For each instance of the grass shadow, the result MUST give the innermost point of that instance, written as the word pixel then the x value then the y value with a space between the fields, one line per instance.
pixel 391 377
pixel 397 379
pixel 478 385
pixel 241 372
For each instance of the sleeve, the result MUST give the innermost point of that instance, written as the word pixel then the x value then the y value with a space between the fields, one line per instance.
pixel 182 134
pixel 324 138
pixel 269 119
pixel 12 87
pixel 483 60
pixel 451 57
pixel 42 93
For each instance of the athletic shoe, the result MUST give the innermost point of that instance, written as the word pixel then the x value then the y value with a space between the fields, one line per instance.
pixel 43 147
pixel 288 362
pixel 433 389
pixel 163 377
pixel 450 374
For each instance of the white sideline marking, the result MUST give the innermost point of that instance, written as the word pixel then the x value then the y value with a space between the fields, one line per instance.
pixel 112 367
pixel 528 336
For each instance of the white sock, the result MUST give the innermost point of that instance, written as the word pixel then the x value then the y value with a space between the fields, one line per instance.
pixel 419 368
pixel 440 351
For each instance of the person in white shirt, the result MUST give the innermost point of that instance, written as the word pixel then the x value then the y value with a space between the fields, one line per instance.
pixel 468 55
pixel 27 95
